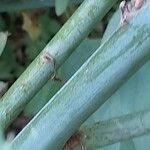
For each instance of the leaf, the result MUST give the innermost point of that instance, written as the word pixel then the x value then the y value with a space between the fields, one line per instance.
pixel 3 39
pixel 142 143
pixel 127 145
pixel 60 6
pixel 7 57
pixel 112 26
pixel 110 147
pixel 48 27
pixel 30 24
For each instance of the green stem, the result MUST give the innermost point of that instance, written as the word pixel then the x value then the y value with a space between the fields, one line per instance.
pixel 101 75
pixel 58 49
pixel 65 72
pixel 13 5
pixel 114 130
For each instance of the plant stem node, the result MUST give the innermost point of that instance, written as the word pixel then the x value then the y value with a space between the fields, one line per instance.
pixel 75 139
pixel 48 58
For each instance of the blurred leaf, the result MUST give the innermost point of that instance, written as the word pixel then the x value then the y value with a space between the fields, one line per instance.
pixel 142 143
pixel 48 27
pixel 8 61
pixel 112 26
pixel 3 87
pixel 30 24
pixel 1 137
pixel 12 5
pixel 4 145
pixel 60 6
pixel 3 39
pixel 110 147
pixel 2 24
pixel 127 145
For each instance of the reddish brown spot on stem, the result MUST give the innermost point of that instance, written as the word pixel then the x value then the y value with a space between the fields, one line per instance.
pixel 74 140
pixel 139 3
pixel 47 57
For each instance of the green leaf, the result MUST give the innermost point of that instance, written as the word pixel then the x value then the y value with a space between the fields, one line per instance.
pixel 31 24
pixel 112 26
pixel 127 145
pixel 60 6
pixel 7 57
pixel 3 39
pixel 142 143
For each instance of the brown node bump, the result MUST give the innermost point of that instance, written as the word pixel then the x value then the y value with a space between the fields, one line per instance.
pixel 46 57
pixel 74 140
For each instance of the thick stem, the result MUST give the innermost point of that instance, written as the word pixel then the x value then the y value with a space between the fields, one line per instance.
pixel 59 48
pixel 65 72
pixel 101 75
